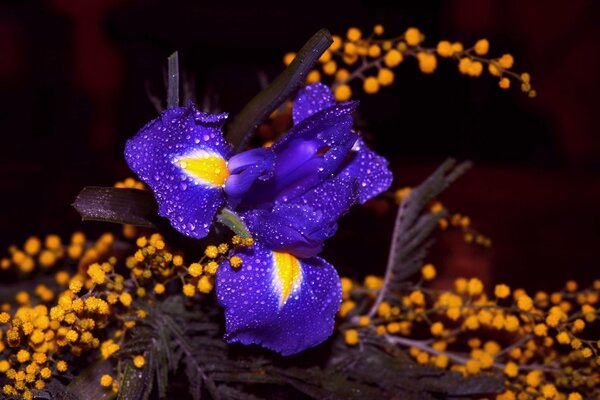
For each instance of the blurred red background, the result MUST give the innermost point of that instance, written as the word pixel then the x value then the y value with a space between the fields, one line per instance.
pixel 72 90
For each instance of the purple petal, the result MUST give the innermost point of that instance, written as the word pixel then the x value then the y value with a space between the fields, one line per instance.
pixel 300 227
pixel 371 171
pixel 157 154
pixel 277 301
pixel 310 100
pixel 310 153
pixel 245 169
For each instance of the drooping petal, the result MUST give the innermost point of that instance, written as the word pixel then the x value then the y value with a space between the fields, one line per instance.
pixel 182 157
pixel 299 230
pixel 301 226
pixel 310 100
pixel 278 301
pixel 370 169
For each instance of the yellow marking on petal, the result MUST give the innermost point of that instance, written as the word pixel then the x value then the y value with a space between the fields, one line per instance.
pixel 210 168
pixel 287 274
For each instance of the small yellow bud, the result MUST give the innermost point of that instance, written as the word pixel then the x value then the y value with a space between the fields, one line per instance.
pixel 139 361
pixel 235 261
pixel 412 36
pixel 428 272
pixel 351 337
pixel 392 58
pixel 482 47
pixel 342 93
pixel 106 380
pixel 385 77
pixel 353 34
pixel 288 58
pixel 427 62
pixel 444 49
pixel 371 85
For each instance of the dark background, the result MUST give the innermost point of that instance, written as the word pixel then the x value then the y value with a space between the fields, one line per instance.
pixel 72 90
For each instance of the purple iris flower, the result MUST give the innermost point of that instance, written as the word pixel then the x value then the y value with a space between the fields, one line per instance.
pixel 289 196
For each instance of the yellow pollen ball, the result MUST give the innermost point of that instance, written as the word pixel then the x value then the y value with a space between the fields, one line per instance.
pixel 195 269
pixel 23 356
pixel 32 246
pixel 482 47
pixel 475 69
pixel 353 34
pixel 139 361
pixel 205 285
pixel 444 49
pixel 371 85
pixel 350 49
pixel 351 337
pixel 502 291
pixel 504 83
pixel 374 51
pixel 326 56
pixel 412 36
pixel 159 288
pixel 288 58
pixel 506 61
pixel 474 286
pixel 493 70
pixel 346 307
pixel 392 58
pixel 586 353
pixel 428 272
pixel 427 62
pixel 329 68
pixel 106 380
pixel 378 29
pixel 189 290
pixel 53 242
pixel 385 77
pixel 211 251
pixel 511 369
pixel 549 391
pixel 235 261
pixel 211 268
pixel 437 328
pixel 342 93
pixel 525 303
pixel 313 76
pixel 342 75
pixel 336 44
pixel 125 299
pixel 61 366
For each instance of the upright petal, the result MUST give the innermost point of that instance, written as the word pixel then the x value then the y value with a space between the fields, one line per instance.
pixel 310 153
pixel 370 169
pixel 278 301
pixel 182 157
pixel 245 168
pixel 310 100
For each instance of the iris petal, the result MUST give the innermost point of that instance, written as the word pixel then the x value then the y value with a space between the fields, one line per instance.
pixel 301 226
pixel 370 169
pixel 246 168
pixel 310 153
pixel 310 100
pixel 278 301
pixel 181 156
